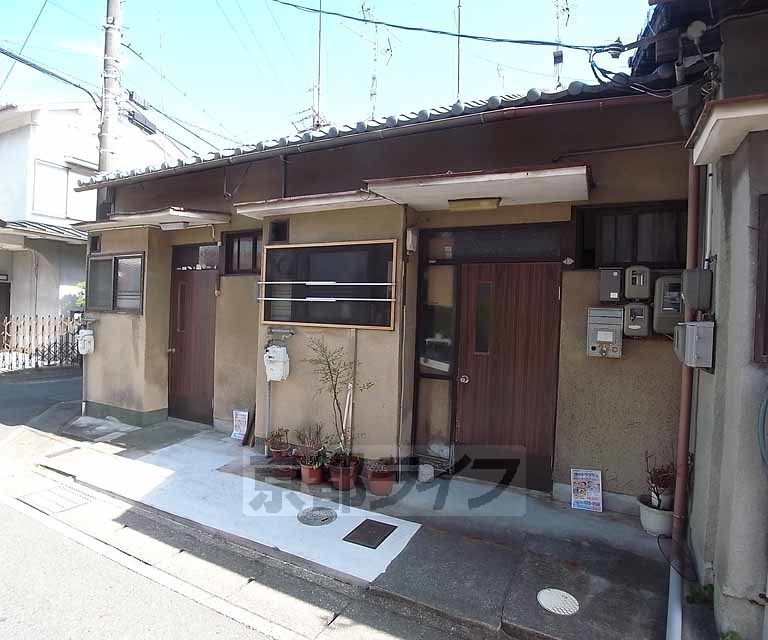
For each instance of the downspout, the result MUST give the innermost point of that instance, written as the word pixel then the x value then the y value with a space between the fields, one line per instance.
pixel 675 596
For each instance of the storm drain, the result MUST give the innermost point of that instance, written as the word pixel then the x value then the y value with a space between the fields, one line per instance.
pixel 370 533
pixel 556 601
pixel 57 499
pixel 316 516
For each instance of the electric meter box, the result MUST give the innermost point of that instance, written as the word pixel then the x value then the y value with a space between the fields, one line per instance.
pixel 637 317
pixel 276 362
pixel 610 285
pixel 85 342
pixel 667 304
pixel 605 326
pixel 697 289
pixel 694 343
pixel 637 283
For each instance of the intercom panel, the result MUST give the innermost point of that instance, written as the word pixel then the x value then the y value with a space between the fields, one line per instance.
pixel 604 331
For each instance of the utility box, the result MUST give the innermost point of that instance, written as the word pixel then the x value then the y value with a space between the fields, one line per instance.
pixel 604 331
pixel 85 342
pixel 637 283
pixel 667 304
pixel 694 343
pixel 610 285
pixel 276 363
pixel 637 319
pixel 697 289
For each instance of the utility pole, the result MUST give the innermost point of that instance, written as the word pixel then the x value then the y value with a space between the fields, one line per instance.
pixel 111 86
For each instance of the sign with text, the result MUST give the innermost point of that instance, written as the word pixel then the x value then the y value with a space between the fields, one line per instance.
pixel 586 489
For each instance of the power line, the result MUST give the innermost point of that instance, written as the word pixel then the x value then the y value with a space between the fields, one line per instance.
pixel 24 44
pixel 258 42
pixel 615 46
pixel 38 67
pixel 179 124
pixel 280 31
pixel 237 35
pixel 75 15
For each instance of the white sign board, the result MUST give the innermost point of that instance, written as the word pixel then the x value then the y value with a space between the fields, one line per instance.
pixel 239 424
pixel 586 489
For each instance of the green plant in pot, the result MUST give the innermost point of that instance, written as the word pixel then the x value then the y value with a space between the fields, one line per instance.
pixel 335 377
pixel 312 453
pixel 656 505
pixel 278 444
pixel 380 475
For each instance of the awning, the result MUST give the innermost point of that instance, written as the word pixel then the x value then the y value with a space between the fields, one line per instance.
pixel 13 233
pixel 532 185
pixel 724 124
pixel 309 204
pixel 168 219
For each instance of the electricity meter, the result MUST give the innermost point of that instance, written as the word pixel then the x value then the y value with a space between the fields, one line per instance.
pixel 667 304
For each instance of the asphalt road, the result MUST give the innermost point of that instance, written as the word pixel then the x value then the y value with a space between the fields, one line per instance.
pixel 52 587
pixel 27 394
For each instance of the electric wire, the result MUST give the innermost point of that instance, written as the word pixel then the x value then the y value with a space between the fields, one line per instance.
pixel 467 36
pixel 237 35
pixel 280 31
pixel 182 126
pixel 24 44
pixel 38 67
pixel 76 16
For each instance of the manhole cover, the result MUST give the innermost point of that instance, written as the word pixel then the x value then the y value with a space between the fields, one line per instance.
pixel 556 601
pixel 316 516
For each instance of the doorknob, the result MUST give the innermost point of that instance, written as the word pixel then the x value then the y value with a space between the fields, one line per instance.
pixel 464 379
pixel 171 350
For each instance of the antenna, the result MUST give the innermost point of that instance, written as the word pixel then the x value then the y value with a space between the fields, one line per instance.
pixel 561 9
pixel 317 122
pixel 458 50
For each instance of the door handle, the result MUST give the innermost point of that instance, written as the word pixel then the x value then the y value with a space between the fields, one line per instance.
pixel 171 350
pixel 464 379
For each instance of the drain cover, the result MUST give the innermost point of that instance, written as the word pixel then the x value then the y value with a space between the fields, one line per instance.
pixel 556 601
pixel 57 499
pixel 316 516
pixel 370 533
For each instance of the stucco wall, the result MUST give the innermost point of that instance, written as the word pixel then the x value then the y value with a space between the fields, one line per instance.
pixel 610 411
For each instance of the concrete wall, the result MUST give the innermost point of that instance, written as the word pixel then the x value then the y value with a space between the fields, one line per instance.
pixel 15 184
pixel 730 503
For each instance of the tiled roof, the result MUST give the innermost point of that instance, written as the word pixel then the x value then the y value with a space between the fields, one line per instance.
pixel 575 91
pixel 38 229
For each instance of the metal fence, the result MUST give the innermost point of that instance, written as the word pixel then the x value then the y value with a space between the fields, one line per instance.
pixel 29 342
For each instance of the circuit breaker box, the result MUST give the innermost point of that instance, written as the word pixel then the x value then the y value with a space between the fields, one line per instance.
pixel 667 304
pixel 604 331
pixel 637 283
pixel 694 343
pixel 610 285
pixel 637 316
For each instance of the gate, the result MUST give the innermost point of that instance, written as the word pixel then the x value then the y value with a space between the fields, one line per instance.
pixel 30 342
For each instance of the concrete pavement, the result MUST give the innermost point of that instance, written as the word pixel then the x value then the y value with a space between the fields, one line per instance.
pixel 24 395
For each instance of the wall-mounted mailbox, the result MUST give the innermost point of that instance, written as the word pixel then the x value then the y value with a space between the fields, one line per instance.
pixel 637 283
pixel 667 304
pixel 694 343
pixel 604 331
pixel 697 288
pixel 610 285
pixel 637 316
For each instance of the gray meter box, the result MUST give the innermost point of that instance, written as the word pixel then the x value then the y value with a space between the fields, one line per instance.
pixel 637 283
pixel 637 319
pixel 610 285
pixel 667 304
pixel 605 326
pixel 694 343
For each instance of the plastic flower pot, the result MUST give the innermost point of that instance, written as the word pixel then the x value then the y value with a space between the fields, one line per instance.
pixel 657 522
pixel 663 501
pixel 380 483
pixel 311 474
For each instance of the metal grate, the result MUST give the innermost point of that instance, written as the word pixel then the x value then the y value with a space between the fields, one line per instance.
pixel 370 533
pixel 316 516
pixel 57 499
pixel 556 601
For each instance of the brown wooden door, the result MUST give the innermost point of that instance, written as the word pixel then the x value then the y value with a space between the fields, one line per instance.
pixel 191 345
pixel 506 388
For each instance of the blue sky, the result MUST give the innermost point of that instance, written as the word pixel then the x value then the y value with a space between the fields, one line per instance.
pixel 253 79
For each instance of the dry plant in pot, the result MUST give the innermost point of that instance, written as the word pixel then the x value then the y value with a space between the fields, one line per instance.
pixel 656 506
pixel 278 443
pixel 335 377
pixel 381 476
pixel 312 453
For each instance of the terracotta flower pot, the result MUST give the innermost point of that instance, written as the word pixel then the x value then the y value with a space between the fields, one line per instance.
pixel 312 475
pixel 344 478
pixel 280 452
pixel 380 483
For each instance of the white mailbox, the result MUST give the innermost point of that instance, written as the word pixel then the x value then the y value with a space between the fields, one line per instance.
pixel 276 362
pixel 85 342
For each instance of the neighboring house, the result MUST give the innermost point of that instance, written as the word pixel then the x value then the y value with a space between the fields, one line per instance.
pixel 455 253
pixel 44 151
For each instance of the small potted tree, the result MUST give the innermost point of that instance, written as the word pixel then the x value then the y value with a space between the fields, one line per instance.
pixel 656 505
pixel 380 475
pixel 312 454
pixel 336 379
pixel 278 443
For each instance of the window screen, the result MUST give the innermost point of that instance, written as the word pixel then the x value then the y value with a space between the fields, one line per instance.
pixel 99 284
pixel 350 284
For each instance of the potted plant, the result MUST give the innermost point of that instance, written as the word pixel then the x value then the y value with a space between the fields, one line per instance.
pixel 278 443
pixel 381 476
pixel 312 454
pixel 656 506
pixel 336 379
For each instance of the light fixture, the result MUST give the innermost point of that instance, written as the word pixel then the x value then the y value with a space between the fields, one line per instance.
pixel 474 204
pixel 173 226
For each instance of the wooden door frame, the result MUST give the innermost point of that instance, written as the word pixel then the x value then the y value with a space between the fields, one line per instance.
pixel 568 240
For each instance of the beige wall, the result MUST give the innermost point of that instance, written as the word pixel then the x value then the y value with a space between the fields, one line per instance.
pixel 610 411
